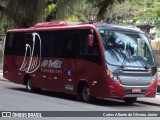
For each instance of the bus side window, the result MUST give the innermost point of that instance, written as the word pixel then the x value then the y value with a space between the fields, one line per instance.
pixel 59 44
pixel 10 40
pixel 52 44
pixel 9 44
pixel 48 43
pixel 85 49
pixel 70 44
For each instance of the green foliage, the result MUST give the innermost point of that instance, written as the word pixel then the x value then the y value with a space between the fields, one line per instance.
pixel 158 25
pixel 27 12
pixel 22 13
pixel 149 14
pixel 72 18
pixel 49 8
pixel 142 2
pixel 102 6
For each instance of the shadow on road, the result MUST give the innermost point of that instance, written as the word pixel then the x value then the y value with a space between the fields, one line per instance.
pixel 97 101
pixel 149 103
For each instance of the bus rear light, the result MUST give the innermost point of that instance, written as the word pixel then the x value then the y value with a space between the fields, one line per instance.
pixel 114 77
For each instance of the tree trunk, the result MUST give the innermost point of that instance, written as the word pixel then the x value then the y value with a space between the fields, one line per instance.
pixel 64 9
pixel 103 8
pixel 25 13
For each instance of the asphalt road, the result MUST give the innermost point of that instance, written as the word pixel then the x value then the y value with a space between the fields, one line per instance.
pixel 13 97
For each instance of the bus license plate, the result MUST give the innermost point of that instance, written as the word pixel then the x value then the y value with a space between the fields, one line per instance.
pixel 136 90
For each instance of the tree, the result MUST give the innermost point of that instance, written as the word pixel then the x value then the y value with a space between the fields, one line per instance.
pixel 102 6
pixel 65 9
pixel 122 13
pixel 81 9
pixel 24 13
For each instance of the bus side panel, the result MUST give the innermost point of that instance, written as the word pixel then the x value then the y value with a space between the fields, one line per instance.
pixel 69 76
pixel 57 74
pixel 91 73
pixel 113 89
pixel 10 69
pixel 50 74
pixel 31 66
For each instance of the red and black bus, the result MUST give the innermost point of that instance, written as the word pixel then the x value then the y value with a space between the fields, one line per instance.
pixel 88 60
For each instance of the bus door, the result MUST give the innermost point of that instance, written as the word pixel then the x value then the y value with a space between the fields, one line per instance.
pixel 89 68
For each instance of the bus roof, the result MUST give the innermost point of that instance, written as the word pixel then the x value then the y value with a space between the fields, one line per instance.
pixel 63 24
pixel 116 28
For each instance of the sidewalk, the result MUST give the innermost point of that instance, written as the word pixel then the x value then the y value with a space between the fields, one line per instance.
pixel 151 101
pixel 1 76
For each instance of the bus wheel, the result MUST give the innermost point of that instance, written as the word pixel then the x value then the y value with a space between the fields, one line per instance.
pixel 85 94
pixel 130 100
pixel 29 85
pixel 30 88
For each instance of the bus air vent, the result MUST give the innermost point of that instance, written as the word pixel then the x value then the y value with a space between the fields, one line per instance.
pixel 51 24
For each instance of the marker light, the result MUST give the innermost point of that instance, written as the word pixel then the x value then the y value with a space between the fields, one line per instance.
pixel 114 77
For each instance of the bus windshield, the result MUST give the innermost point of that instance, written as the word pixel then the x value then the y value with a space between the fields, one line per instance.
pixel 127 48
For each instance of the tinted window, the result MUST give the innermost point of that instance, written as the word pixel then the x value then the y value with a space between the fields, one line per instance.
pixel 59 44
pixel 52 43
pixel 85 49
pixel 70 44
pixel 14 44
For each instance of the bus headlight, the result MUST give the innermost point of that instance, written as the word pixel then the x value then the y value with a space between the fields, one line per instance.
pixel 114 77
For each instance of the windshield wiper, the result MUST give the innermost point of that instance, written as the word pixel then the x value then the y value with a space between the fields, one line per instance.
pixel 124 62
pixel 140 58
pixel 143 62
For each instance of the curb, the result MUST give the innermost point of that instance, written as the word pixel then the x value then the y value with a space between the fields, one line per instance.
pixel 3 79
pixel 153 101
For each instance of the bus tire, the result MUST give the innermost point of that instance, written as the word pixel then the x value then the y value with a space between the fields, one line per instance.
pixel 29 85
pixel 30 88
pixel 85 94
pixel 130 100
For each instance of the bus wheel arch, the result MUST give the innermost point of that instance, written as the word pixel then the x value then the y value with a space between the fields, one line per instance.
pixel 25 79
pixel 28 83
pixel 83 91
